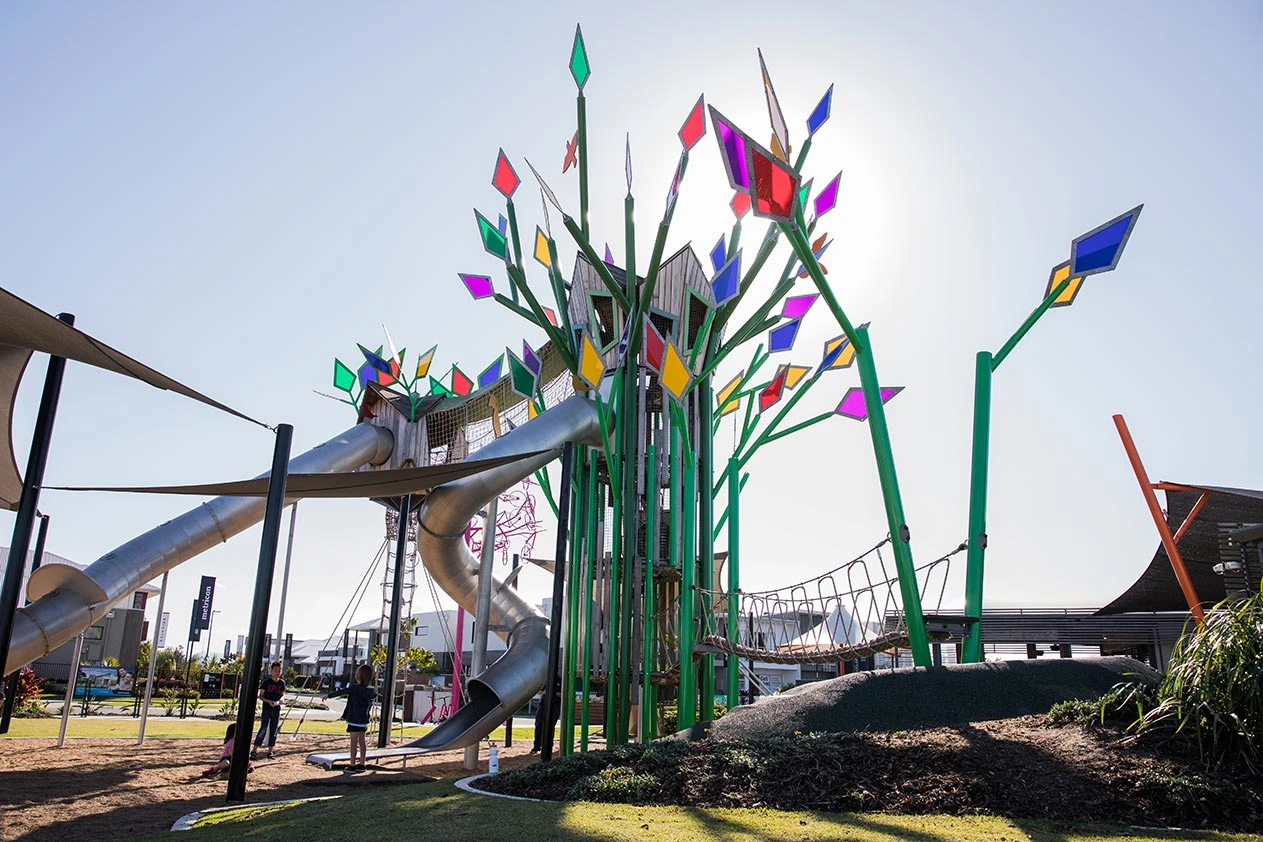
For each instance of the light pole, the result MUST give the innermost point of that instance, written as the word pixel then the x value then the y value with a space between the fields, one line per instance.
pixel 210 625
pixel 1090 254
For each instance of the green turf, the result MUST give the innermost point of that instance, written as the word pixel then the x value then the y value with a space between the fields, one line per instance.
pixel 161 726
pixel 397 813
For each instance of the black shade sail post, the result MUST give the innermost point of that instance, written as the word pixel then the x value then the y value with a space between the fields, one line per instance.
pixel 392 640
pixel 35 464
pixel 239 764
pixel 552 686
pixel 11 692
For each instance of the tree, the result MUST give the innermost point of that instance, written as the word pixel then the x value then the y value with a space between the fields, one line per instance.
pixel 420 660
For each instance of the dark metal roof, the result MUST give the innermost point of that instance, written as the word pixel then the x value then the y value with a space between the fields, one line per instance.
pixel 1204 545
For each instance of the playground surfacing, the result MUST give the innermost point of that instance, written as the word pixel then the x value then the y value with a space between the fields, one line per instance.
pixel 113 789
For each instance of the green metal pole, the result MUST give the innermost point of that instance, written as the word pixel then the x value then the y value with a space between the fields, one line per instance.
pixel 629 227
pixel 705 526
pixel 1029 323
pixel 591 489
pixel 899 534
pixel 687 703
pixel 734 581
pixel 612 622
pixel 648 700
pixel 579 512
pixel 972 649
pixel 583 163
pixel 630 512
pixel 517 249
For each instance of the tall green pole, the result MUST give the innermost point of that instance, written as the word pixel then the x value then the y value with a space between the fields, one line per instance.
pixel 573 574
pixel 899 535
pixel 517 249
pixel 972 649
pixel 589 542
pixel 648 702
pixel 734 581
pixel 687 704
pixel 611 623
pixel 705 403
pixel 583 164
pixel 631 544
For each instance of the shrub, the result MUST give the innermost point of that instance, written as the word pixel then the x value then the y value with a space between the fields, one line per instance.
pixel 671 716
pixel 1213 690
pixel 620 784
pixel 26 703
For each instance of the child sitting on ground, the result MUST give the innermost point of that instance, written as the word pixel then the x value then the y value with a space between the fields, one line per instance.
pixel 359 702
pixel 225 756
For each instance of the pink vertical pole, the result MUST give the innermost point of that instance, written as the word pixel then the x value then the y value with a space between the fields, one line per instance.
pixel 456 664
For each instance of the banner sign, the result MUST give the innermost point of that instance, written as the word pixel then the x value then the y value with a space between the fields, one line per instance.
pixel 205 596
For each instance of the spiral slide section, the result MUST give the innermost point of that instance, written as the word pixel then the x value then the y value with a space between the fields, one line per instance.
pixel 68 600
pixel 505 686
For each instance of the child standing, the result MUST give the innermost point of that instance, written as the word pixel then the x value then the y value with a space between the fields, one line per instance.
pixel 225 756
pixel 359 701
pixel 271 694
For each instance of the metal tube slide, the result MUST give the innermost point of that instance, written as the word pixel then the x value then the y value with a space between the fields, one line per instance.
pixel 67 600
pixel 507 684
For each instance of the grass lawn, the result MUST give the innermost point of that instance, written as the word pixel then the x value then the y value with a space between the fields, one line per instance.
pixel 397 813
pixel 162 726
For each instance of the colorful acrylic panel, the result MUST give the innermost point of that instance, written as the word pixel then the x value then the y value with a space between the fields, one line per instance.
pixel 531 359
pixel 804 192
pixel 727 391
pixel 547 192
pixel 551 316
pixel 437 388
pixel 675 376
pixel 343 377
pixel 579 68
pixel 732 149
pixel 740 204
pixel 541 249
pixel 827 198
pixel 502 224
pixel 717 254
pixel 591 366
pixel 769 396
pixel 1061 273
pixel 461 384
pixel 572 154
pixel 491 374
pixel 653 349
pixel 779 130
pixel 853 405
pixel 367 374
pixel 627 163
pixel 1100 249
pixel 374 359
pixel 479 286
pixel 609 255
pixel 796 306
pixel 839 352
pixel 674 192
pixel 389 378
pixel 492 240
pixel 820 114
pixel 773 185
pixel 794 374
pixel 781 337
pixel 727 281
pixel 423 362
pixel 694 128
pixel 505 178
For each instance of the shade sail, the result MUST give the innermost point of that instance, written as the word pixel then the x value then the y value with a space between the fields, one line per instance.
pixel 1202 546
pixel 357 484
pixel 12 363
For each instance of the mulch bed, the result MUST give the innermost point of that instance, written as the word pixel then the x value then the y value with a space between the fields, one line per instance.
pixel 1019 768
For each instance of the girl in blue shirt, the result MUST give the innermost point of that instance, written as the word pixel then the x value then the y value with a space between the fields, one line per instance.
pixel 359 702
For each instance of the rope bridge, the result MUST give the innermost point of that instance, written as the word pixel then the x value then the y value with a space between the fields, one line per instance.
pixel 853 611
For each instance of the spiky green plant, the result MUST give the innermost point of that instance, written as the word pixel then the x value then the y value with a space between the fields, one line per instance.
pixel 1213 690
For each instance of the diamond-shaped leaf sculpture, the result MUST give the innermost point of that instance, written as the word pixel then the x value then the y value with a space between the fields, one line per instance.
pixel 542 255
pixel 1062 273
pixel 437 388
pixel 769 396
pixel 521 378
pixel 839 352
pixel 827 198
pixel 820 114
pixel 531 359
pixel 375 359
pixel 804 192
pixel 653 349
pixel 724 401
pixel 732 151
pixel 773 184
pixel 391 377
pixel 853 405
pixel 367 374
pixel 694 127
pixel 627 164
pixel 461 384
pixel 740 204
pixel 490 375
pixel 479 286
pixel 727 281
pixel 675 377
pixel 1100 249
pixel 781 337
pixel 547 193
pixel 609 255
pixel 493 241
pixel 780 132
pixel 423 362
pixel 717 254
pixel 505 178
pixel 591 364
pixel 674 192
pixel 794 374
pixel 579 68
pixel 796 306
pixel 343 377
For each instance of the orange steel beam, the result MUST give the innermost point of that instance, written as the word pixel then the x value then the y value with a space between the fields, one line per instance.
pixel 1168 540
pixel 1192 516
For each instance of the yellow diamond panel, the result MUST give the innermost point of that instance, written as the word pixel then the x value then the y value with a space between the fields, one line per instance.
pixel 541 249
pixel 845 358
pixel 795 374
pixel 675 372
pixel 591 366
pixel 726 392
pixel 1059 274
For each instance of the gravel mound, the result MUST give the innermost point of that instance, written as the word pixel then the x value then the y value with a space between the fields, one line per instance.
pixel 913 698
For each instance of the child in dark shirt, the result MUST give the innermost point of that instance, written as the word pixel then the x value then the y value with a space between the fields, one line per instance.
pixel 270 694
pixel 359 702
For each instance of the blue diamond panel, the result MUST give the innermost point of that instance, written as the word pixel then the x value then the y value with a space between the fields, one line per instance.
pixel 489 377
pixel 717 254
pixel 782 338
pixel 727 280
pixel 1100 250
pixel 821 113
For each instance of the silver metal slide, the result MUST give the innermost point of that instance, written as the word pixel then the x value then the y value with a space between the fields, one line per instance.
pixel 505 686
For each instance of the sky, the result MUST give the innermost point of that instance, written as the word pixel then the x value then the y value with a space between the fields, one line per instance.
pixel 238 194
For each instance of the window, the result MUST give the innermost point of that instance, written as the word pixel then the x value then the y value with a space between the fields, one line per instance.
pixel 422 631
pixel 93 632
pixel 604 319
pixel 139 599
